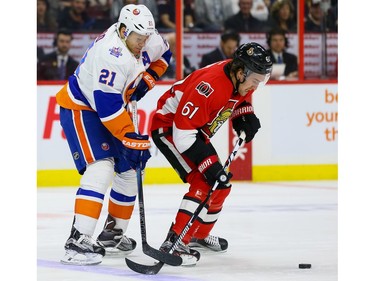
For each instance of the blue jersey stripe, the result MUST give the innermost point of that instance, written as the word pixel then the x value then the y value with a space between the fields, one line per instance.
pixel 76 91
pixel 121 197
pixel 90 193
pixel 107 103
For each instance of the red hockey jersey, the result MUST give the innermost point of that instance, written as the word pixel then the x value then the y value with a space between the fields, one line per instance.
pixel 203 101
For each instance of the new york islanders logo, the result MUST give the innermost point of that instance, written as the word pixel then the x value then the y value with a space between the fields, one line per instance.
pixel 204 89
pixel 105 146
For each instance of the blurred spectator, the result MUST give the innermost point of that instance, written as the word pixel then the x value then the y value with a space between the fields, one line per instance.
pixel 118 4
pixel 45 20
pixel 189 20
pixel 229 42
pixel 167 16
pixel 75 17
pixel 210 15
pixel 268 3
pixel 65 3
pixel 99 10
pixel 322 15
pixel 260 10
pixel 58 65
pixel 315 17
pixel 332 18
pixel 171 71
pixel 39 53
pixel 55 6
pixel 283 15
pixel 278 44
pixel 243 21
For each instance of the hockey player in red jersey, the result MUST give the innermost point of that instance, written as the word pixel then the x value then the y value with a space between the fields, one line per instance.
pixel 187 116
pixel 121 64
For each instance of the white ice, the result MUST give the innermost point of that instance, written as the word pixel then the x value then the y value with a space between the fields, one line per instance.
pixel 270 227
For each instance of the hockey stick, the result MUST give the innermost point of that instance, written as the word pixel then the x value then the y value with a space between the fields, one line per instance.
pixel 146 248
pixel 154 269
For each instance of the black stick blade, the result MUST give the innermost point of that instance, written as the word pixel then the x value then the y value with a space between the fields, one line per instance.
pixel 144 269
pixel 161 256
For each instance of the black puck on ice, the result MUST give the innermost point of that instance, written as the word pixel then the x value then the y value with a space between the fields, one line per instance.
pixel 304 265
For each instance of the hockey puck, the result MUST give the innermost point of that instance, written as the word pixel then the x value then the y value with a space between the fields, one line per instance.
pixel 304 265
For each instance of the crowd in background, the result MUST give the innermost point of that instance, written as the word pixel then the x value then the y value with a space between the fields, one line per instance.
pixel 253 16
pixel 199 15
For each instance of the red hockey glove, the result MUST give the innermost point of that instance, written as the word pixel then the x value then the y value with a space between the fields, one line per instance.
pixel 244 119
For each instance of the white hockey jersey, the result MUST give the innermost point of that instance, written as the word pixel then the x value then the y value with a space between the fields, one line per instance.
pixel 107 76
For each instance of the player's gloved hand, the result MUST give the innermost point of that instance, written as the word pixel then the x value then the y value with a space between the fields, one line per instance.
pixel 136 149
pixel 213 171
pixel 146 84
pixel 244 119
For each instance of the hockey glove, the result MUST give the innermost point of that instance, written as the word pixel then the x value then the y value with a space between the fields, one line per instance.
pixel 244 119
pixel 136 150
pixel 146 84
pixel 213 171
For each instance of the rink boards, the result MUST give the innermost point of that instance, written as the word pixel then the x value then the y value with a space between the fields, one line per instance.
pixel 298 139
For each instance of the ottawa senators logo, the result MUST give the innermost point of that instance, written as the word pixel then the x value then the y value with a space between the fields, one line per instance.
pixel 223 115
pixel 250 52
pixel 204 89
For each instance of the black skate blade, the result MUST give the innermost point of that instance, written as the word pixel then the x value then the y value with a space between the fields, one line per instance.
pixel 144 269
pixel 161 256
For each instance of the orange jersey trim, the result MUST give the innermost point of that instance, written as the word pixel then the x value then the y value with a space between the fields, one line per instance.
pixel 82 136
pixel 118 211
pixel 120 125
pixel 88 208
pixel 63 99
pixel 159 67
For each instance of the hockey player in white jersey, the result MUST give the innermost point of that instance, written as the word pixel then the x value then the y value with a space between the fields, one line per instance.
pixel 122 64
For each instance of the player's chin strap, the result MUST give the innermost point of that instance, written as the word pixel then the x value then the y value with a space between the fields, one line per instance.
pixel 238 82
pixel 125 34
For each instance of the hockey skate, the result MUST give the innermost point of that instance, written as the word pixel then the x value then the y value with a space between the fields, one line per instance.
pixel 211 242
pixel 81 249
pixel 113 240
pixel 189 256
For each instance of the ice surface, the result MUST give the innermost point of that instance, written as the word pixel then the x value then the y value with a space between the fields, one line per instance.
pixel 270 227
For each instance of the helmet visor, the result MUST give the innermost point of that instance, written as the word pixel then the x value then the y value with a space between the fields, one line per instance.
pixel 256 79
